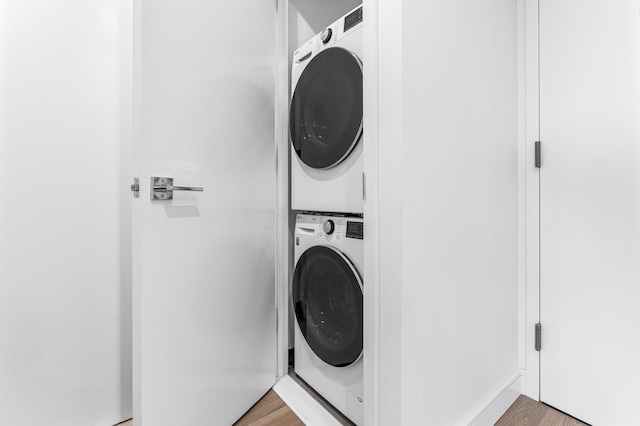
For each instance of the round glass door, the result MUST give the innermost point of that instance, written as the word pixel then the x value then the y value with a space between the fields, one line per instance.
pixel 326 110
pixel 327 299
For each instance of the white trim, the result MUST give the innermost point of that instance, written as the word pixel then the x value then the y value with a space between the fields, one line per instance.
pixel 382 62
pixel 371 273
pixel 307 408
pixel 532 134
pixel 136 217
pixel 282 195
pixel 499 402
pixel 374 403
pixel 522 191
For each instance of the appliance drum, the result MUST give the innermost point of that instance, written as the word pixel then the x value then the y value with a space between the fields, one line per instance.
pixel 328 299
pixel 326 110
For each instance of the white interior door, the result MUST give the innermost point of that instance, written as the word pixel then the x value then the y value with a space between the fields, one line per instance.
pixel 590 208
pixel 65 230
pixel 204 266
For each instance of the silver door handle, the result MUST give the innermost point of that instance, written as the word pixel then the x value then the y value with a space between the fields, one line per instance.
pixel 162 188
pixel 177 188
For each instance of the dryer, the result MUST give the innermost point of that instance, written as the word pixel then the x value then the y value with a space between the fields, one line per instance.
pixel 327 295
pixel 325 120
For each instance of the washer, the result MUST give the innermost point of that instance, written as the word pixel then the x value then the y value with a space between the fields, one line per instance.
pixel 327 296
pixel 325 120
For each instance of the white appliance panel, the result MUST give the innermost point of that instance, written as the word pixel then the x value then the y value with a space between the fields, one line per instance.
pixel 337 189
pixel 340 386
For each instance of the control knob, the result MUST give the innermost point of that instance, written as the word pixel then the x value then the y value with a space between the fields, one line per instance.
pixel 328 227
pixel 325 36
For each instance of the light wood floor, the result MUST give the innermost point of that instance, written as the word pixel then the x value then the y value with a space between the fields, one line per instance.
pixel 527 412
pixel 271 410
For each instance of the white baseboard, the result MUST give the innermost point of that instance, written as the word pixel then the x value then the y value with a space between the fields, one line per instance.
pixel 499 402
pixel 309 410
pixel 302 404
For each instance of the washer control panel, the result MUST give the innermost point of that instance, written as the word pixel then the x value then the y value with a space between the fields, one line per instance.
pixel 355 230
pixel 329 228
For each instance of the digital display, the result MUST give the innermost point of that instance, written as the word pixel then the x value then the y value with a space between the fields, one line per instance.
pixel 352 19
pixel 355 230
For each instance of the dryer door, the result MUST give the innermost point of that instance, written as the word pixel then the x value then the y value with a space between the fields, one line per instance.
pixel 326 109
pixel 327 298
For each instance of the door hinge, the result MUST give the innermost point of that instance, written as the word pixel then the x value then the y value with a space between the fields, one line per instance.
pixel 135 187
pixel 538 155
pixel 538 336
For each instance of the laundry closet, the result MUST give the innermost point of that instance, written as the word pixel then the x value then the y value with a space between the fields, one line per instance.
pixel 326 183
pixel 424 100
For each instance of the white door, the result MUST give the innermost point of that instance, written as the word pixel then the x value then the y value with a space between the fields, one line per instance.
pixel 65 230
pixel 590 208
pixel 204 262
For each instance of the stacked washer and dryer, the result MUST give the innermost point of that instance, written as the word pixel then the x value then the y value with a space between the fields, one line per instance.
pixel 327 192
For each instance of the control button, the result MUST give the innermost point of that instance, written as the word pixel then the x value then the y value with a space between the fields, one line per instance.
pixel 328 227
pixel 325 36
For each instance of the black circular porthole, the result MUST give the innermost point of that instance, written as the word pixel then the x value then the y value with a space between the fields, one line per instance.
pixel 327 299
pixel 325 119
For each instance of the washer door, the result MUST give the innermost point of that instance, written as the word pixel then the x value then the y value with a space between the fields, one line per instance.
pixel 327 298
pixel 325 118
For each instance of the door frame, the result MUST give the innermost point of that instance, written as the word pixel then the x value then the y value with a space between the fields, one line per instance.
pixel 382 120
pixel 284 243
pixel 529 258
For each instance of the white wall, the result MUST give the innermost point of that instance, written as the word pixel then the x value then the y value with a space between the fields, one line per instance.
pixel 460 200
pixel 448 208
pixel 65 332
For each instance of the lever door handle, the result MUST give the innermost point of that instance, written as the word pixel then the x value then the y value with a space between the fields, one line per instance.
pixel 177 188
pixel 162 188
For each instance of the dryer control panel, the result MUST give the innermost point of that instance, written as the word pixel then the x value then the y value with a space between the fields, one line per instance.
pixel 353 19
